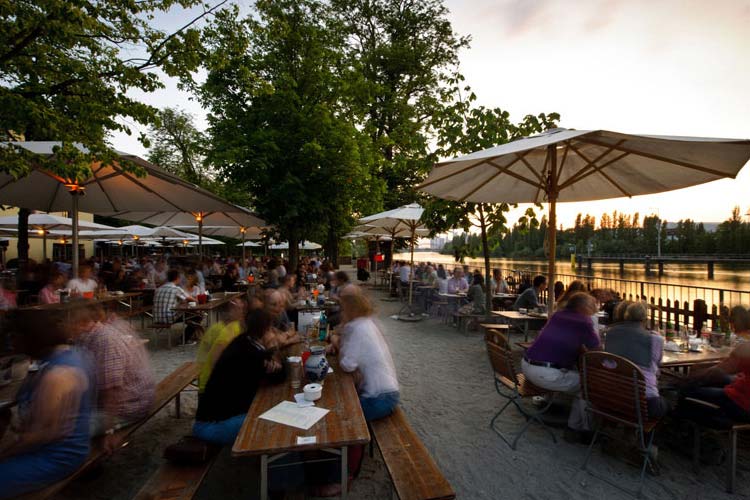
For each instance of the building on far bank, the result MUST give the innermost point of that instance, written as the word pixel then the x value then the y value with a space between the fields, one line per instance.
pixel 437 243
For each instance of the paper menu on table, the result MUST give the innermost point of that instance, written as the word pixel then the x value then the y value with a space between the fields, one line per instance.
pixel 289 413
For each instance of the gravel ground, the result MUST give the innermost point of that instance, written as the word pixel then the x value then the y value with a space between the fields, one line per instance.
pixel 448 394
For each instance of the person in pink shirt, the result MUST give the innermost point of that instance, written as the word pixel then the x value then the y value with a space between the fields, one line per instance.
pixel 48 294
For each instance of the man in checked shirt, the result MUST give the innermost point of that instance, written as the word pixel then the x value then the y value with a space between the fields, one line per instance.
pixel 124 379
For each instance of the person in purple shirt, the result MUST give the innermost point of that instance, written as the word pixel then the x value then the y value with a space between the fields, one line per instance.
pixel 458 283
pixel 551 361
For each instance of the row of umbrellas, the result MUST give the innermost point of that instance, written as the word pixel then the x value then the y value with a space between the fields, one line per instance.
pixel 563 165
pixel 159 198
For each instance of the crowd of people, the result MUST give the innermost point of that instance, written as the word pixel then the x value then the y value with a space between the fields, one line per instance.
pixel 95 375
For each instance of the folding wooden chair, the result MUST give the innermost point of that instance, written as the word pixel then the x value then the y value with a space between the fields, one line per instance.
pixel 514 387
pixel 615 391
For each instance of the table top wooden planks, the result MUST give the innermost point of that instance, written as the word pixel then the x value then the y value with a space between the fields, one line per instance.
pixel 675 359
pixel 217 300
pixel 344 425
pixel 77 302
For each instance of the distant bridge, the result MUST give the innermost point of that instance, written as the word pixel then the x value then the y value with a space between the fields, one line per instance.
pixel 651 261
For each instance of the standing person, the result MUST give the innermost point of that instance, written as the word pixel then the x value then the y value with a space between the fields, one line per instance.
pixel 531 297
pixel 167 297
pixel 85 284
pixel 551 361
pixel 234 381
pixel 441 272
pixel 54 409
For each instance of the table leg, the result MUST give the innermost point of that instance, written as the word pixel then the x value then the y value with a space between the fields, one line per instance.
pixel 264 477
pixel 526 330
pixel 344 472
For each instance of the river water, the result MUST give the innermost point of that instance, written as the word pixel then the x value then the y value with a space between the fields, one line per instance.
pixel 683 282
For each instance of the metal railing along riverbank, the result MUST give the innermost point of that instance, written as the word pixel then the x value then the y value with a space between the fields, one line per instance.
pixel 676 304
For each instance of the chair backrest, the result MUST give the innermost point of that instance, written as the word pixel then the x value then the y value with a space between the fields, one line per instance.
pixel 501 357
pixel 614 387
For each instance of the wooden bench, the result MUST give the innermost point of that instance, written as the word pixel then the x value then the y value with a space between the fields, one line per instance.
pixel 463 320
pixel 164 327
pixel 414 473
pixel 175 482
pixel 168 389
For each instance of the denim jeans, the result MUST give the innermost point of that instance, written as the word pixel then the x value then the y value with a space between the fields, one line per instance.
pixel 379 406
pixel 223 432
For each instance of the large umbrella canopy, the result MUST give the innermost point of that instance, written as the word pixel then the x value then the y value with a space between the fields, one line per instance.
pixel 136 231
pixel 406 217
pixel 41 224
pixel 249 244
pixel 583 165
pixel 231 231
pixel 111 190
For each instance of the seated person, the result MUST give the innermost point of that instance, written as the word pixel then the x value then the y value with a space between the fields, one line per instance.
pixel 551 361
pixel 54 409
pixel 498 283
pixel 339 282
pixel 458 284
pixel 84 283
pixel 170 295
pixel 231 388
pixel 124 381
pixel 220 335
pixel 631 340
pixel 476 297
pixel 725 385
pixel 574 287
pixel 48 294
pixel 229 279
pixel 430 276
pixel 531 297
pixel 275 305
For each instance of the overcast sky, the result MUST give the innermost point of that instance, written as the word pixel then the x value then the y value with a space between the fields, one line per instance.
pixel 667 67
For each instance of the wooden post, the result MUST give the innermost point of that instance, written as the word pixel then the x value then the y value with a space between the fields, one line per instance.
pixel 622 267
pixel 648 266
pixel 661 268
pixel 552 226
pixel 710 269
pixel 700 313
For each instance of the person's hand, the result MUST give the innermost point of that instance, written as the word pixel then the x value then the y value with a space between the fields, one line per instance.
pixel 272 366
pixel 111 443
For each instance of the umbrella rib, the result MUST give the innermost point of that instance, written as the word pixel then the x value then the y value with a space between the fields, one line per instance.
pixel 143 186
pixel 539 187
pixel 513 174
pixel 660 158
pixel 106 194
pixel 452 174
pixel 565 157
pixel 590 166
pixel 54 195
pixel 601 171
pixel 528 165
pixel 597 169
pixel 480 186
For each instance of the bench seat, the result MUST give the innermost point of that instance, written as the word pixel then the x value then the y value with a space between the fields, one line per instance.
pixel 175 482
pixel 414 473
pixel 168 389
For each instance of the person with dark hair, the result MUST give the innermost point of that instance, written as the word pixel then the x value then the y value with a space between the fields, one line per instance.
pixel 48 294
pixel 339 282
pixel 476 297
pixel 54 409
pixel 574 287
pixel 726 386
pixel 558 290
pixel 167 297
pixel 531 297
pixel 234 381
pixel 551 361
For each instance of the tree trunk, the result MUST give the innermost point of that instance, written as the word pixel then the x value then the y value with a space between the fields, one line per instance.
pixel 486 252
pixel 293 252
pixel 23 243
pixel 332 247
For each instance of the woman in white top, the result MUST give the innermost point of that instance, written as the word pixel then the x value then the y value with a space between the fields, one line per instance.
pixel 84 283
pixel 364 351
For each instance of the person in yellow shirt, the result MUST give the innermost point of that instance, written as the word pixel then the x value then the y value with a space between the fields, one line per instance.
pixel 220 335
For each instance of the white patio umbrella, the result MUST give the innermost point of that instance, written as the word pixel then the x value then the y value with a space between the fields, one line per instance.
pixel 110 190
pixel 306 245
pixel 394 221
pixel 249 244
pixel 231 231
pixel 42 223
pixel 582 165
pixel 233 216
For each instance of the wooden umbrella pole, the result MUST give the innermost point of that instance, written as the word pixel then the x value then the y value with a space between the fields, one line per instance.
pixel 552 227
pixel 411 265
pixel 242 230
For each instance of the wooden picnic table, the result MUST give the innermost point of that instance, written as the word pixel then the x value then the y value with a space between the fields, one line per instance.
pixel 216 302
pixel 126 299
pixel 518 318
pixel 342 427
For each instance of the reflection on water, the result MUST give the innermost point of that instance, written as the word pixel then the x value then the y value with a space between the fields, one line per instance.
pixel 733 278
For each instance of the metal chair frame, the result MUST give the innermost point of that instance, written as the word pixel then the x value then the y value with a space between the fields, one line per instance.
pixel 510 390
